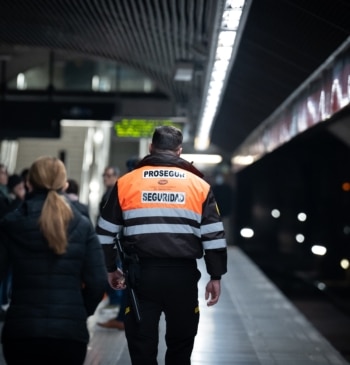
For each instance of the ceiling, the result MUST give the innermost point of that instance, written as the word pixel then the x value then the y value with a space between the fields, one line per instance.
pixel 152 36
pixel 282 43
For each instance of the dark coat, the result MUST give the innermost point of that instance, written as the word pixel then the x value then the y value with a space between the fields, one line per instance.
pixel 52 295
pixel 5 204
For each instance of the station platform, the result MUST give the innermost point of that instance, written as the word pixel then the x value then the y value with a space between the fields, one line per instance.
pixel 253 324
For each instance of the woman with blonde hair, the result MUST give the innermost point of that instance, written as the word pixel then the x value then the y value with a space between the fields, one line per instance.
pixel 58 273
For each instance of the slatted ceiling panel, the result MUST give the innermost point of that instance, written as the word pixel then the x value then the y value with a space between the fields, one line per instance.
pixel 142 32
pixel 283 42
pixel 167 29
pixel 191 23
pixel 183 29
pixel 158 21
pixel 174 30
pixel 100 22
pixel 198 21
pixel 113 24
pixel 152 42
pixel 92 22
pixel 177 42
pixel 209 21
pixel 160 32
pixel 127 49
pixel 138 34
pixel 179 20
pixel 156 38
pixel 148 35
pixel 71 29
pixel 143 53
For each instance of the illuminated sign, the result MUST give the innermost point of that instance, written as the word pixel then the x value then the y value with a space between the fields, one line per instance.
pixel 141 128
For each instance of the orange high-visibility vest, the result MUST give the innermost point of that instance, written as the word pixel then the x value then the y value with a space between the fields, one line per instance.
pixel 163 213
pixel 167 187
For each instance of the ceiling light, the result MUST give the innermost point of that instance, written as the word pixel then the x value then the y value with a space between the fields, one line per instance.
pixel 232 22
pixel 183 71
pixel 319 250
pixel 243 160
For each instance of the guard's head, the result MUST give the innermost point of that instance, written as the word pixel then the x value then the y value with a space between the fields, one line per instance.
pixel 166 138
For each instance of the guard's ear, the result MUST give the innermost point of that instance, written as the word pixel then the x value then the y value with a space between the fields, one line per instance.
pixel 179 151
pixel 150 148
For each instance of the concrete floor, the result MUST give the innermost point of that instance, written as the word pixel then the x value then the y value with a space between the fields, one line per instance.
pixel 253 324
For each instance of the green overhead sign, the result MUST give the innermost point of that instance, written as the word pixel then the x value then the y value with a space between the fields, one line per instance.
pixel 141 128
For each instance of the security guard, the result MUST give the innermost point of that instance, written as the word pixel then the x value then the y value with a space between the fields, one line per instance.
pixel 169 218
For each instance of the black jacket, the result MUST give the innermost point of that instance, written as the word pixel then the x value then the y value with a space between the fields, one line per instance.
pixel 52 295
pixel 184 231
pixel 5 204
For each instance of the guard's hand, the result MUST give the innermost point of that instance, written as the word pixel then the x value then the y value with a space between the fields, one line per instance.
pixel 212 292
pixel 116 280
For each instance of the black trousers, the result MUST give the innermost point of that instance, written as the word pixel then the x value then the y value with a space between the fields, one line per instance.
pixel 169 287
pixel 42 351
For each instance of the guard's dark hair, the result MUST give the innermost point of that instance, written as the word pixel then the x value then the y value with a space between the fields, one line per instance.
pixel 167 138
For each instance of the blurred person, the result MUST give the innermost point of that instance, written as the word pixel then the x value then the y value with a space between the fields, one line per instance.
pixel 118 321
pixel 58 273
pixel 72 193
pixel 5 199
pixel 24 175
pixel 16 189
pixel 5 203
pixel 168 217
pixel 16 193
pixel 110 176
